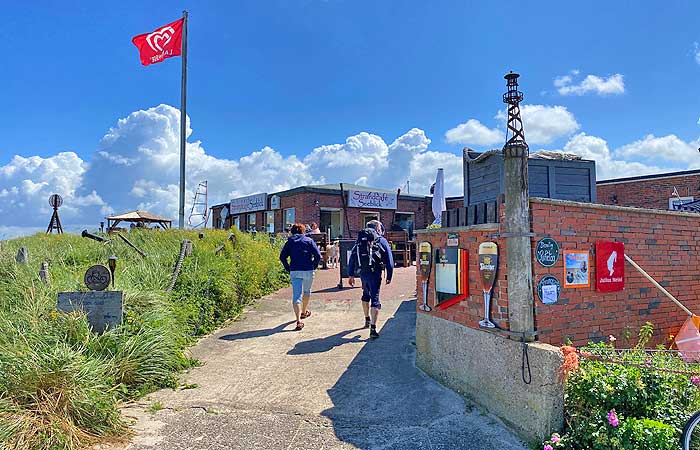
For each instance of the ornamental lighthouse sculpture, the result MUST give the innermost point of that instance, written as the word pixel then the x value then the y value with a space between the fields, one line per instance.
pixel 517 217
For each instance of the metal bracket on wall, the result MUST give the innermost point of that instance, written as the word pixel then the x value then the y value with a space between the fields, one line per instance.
pixel 509 235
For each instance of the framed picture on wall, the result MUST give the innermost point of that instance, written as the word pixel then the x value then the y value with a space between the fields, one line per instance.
pixel 577 273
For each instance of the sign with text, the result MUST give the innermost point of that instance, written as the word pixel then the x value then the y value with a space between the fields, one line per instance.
pixel 547 252
pixel 251 203
pixel 610 266
pixel 104 309
pixel 548 289
pixel 372 199
pixel 453 240
pixel 275 202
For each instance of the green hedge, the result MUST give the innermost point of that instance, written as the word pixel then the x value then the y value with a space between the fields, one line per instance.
pixel 61 384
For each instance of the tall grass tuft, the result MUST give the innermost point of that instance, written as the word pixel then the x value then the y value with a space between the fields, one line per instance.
pixel 61 384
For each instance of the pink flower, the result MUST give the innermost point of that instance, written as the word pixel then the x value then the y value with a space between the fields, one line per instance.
pixel 648 362
pixel 555 438
pixel 547 447
pixel 695 380
pixel 612 338
pixel 612 418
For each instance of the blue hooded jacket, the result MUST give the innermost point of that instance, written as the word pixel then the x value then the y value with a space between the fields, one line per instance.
pixel 302 251
pixel 388 258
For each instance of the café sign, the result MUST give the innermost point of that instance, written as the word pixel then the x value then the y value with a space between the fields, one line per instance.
pixel 371 199
pixel 251 203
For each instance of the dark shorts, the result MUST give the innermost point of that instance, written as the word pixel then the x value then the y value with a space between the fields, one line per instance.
pixel 371 284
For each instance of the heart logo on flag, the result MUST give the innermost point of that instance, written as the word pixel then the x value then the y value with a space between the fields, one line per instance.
pixel 159 39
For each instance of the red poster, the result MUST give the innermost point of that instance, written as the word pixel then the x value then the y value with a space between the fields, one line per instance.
pixel 610 266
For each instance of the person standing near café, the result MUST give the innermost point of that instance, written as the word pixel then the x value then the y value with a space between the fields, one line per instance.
pixel 371 255
pixel 314 228
pixel 300 257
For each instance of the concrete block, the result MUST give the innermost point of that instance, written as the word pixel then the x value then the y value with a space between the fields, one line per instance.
pixel 486 368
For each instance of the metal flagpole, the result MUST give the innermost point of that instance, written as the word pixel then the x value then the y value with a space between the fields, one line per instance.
pixel 183 119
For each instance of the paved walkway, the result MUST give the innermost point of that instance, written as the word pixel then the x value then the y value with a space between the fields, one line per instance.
pixel 265 386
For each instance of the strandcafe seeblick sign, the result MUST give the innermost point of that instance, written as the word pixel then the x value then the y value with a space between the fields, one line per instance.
pixel 372 199
pixel 247 204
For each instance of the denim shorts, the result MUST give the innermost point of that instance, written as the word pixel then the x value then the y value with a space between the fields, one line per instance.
pixel 301 283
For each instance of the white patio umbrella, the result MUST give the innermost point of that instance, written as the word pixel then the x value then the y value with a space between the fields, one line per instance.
pixel 439 198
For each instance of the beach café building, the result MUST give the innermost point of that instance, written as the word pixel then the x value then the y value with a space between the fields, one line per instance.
pixel 337 208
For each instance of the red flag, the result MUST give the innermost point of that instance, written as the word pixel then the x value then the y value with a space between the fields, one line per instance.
pixel 165 42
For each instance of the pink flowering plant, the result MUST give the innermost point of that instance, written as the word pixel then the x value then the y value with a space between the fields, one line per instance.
pixel 612 406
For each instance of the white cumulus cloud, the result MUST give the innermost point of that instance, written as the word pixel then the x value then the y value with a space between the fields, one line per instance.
pixel 473 132
pixel 613 84
pixel 646 156
pixel 136 166
pixel 544 124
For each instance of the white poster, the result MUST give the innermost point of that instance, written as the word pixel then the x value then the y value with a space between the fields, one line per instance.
pixel 251 203
pixel 372 199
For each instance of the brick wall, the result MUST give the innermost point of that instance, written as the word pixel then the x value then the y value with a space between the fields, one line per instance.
pixel 651 193
pixel 470 311
pixel 666 244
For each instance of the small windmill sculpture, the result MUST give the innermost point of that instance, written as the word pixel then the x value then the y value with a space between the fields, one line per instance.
pixel 55 201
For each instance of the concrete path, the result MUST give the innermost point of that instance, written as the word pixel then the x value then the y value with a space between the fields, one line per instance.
pixel 264 386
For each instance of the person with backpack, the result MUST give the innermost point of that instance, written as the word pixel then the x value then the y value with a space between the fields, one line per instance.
pixel 369 257
pixel 304 257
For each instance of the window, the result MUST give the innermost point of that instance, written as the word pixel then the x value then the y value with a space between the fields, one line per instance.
pixel 289 218
pixel 270 221
pixel 405 221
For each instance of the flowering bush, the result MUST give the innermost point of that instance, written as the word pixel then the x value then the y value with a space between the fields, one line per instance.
pixel 631 406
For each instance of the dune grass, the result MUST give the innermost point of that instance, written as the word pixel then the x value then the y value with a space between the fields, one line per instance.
pixel 61 384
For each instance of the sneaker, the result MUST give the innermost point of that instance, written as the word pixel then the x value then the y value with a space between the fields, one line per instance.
pixel 368 322
pixel 373 333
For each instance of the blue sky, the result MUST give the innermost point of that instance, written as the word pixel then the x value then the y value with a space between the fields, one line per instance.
pixel 296 75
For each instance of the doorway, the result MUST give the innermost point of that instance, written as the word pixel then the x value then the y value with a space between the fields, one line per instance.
pixel 366 216
pixel 331 220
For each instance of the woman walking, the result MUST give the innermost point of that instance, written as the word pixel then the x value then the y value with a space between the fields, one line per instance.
pixel 304 257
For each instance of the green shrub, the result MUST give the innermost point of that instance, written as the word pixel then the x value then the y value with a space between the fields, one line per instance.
pixel 61 383
pixel 651 402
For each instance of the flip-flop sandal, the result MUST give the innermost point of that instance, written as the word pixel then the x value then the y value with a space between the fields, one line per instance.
pixel 300 325
pixel 305 314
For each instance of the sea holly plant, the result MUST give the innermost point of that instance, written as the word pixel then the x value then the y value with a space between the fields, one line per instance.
pixel 627 399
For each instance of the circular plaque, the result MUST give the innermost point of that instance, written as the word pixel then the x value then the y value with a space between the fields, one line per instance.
pixel 549 295
pixel 547 252
pixel 97 278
